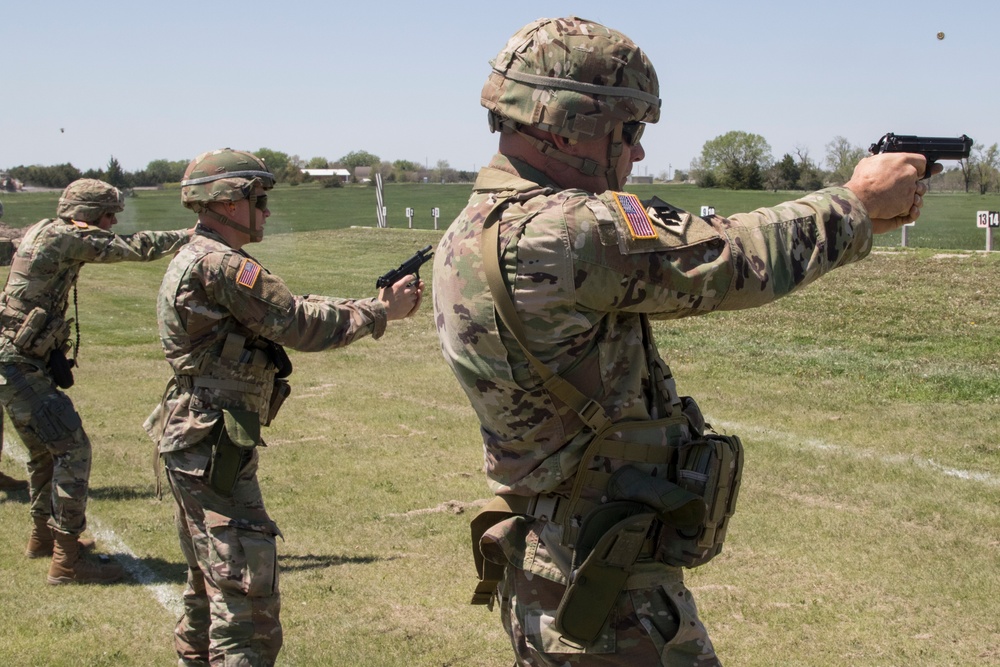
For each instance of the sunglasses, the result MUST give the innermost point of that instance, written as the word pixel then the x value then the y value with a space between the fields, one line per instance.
pixel 262 202
pixel 632 132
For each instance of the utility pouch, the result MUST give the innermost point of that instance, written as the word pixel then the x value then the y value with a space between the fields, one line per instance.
pixel 61 368
pixel 281 391
pixel 29 330
pixel 239 433
pixel 711 468
pixel 610 541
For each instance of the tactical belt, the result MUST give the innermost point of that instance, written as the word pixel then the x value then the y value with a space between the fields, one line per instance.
pixel 189 382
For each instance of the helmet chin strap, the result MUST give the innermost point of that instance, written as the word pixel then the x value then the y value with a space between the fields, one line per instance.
pixel 615 149
pixel 254 232
pixel 585 166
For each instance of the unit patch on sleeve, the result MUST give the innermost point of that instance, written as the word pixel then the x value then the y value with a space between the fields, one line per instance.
pixel 248 273
pixel 635 214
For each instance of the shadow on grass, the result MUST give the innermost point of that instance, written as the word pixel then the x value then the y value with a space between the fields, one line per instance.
pixel 156 571
pixel 295 563
pixel 150 571
pixel 121 493
pixel 15 497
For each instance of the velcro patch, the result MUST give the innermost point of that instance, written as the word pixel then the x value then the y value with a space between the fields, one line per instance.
pixel 639 225
pixel 81 224
pixel 248 273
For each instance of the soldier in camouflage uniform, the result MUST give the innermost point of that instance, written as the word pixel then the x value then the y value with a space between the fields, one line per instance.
pixel 34 339
pixel 223 321
pixel 8 483
pixel 584 267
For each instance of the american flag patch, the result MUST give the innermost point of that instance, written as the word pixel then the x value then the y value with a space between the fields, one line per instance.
pixel 248 273
pixel 635 215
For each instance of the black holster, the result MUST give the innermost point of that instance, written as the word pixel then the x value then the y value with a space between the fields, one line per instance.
pixel 61 368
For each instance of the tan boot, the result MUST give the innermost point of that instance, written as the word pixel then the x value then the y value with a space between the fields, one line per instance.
pixel 68 567
pixel 40 542
pixel 8 483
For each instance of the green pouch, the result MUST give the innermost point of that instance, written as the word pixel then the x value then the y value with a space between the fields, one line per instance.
pixel 238 435
pixel 243 427
pixel 711 468
pixel 610 540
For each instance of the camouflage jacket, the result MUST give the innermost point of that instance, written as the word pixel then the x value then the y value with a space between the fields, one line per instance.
pixel 211 291
pixel 583 271
pixel 48 262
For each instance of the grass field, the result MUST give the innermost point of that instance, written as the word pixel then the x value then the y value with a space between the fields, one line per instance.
pixel 868 530
pixel 948 220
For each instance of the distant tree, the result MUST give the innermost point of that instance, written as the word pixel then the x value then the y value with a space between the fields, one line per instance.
pixel 56 176
pixel 276 161
pixel 158 172
pixel 987 168
pixel 318 163
pixel 356 159
pixel 810 176
pixel 443 173
pixel 841 158
pixel 784 175
pixel 966 166
pixel 116 176
pixel 736 160
pixel 405 165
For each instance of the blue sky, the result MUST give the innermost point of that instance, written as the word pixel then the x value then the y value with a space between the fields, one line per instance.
pixel 142 81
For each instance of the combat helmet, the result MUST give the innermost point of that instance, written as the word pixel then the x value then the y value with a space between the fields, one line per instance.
pixel 577 79
pixel 87 199
pixel 226 175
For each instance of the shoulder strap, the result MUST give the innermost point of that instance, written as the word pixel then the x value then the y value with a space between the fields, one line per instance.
pixel 590 411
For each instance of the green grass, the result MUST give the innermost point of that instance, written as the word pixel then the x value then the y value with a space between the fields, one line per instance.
pixel 948 220
pixel 868 530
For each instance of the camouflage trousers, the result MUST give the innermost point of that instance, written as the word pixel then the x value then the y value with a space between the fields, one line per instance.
pixel 59 450
pixel 232 601
pixel 650 627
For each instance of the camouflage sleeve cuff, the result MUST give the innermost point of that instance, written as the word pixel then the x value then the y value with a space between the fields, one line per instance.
pixel 380 318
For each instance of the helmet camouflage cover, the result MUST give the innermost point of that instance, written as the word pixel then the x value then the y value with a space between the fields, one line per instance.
pixel 572 77
pixel 87 199
pixel 223 175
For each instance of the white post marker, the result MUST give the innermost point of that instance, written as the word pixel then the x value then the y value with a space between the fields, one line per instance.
pixel 380 209
pixel 436 212
pixel 988 220
pixel 409 217
pixel 905 231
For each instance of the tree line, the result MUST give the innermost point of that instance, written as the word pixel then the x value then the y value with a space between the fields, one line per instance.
pixel 286 168
pixel 744 161
pixel 735 160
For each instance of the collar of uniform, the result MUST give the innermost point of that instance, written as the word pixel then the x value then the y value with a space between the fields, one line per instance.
pixel 510 174
pixel 203 230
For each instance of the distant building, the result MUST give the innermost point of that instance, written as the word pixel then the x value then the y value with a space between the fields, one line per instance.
pixel 640 179
pixel 341 174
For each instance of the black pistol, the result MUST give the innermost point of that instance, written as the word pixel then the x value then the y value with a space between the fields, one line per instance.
pixel 410 266
pixel 932 148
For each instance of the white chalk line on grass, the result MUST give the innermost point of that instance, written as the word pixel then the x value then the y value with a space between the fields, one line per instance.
pixel 170 599
pixel 166 594
pixel 784 438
